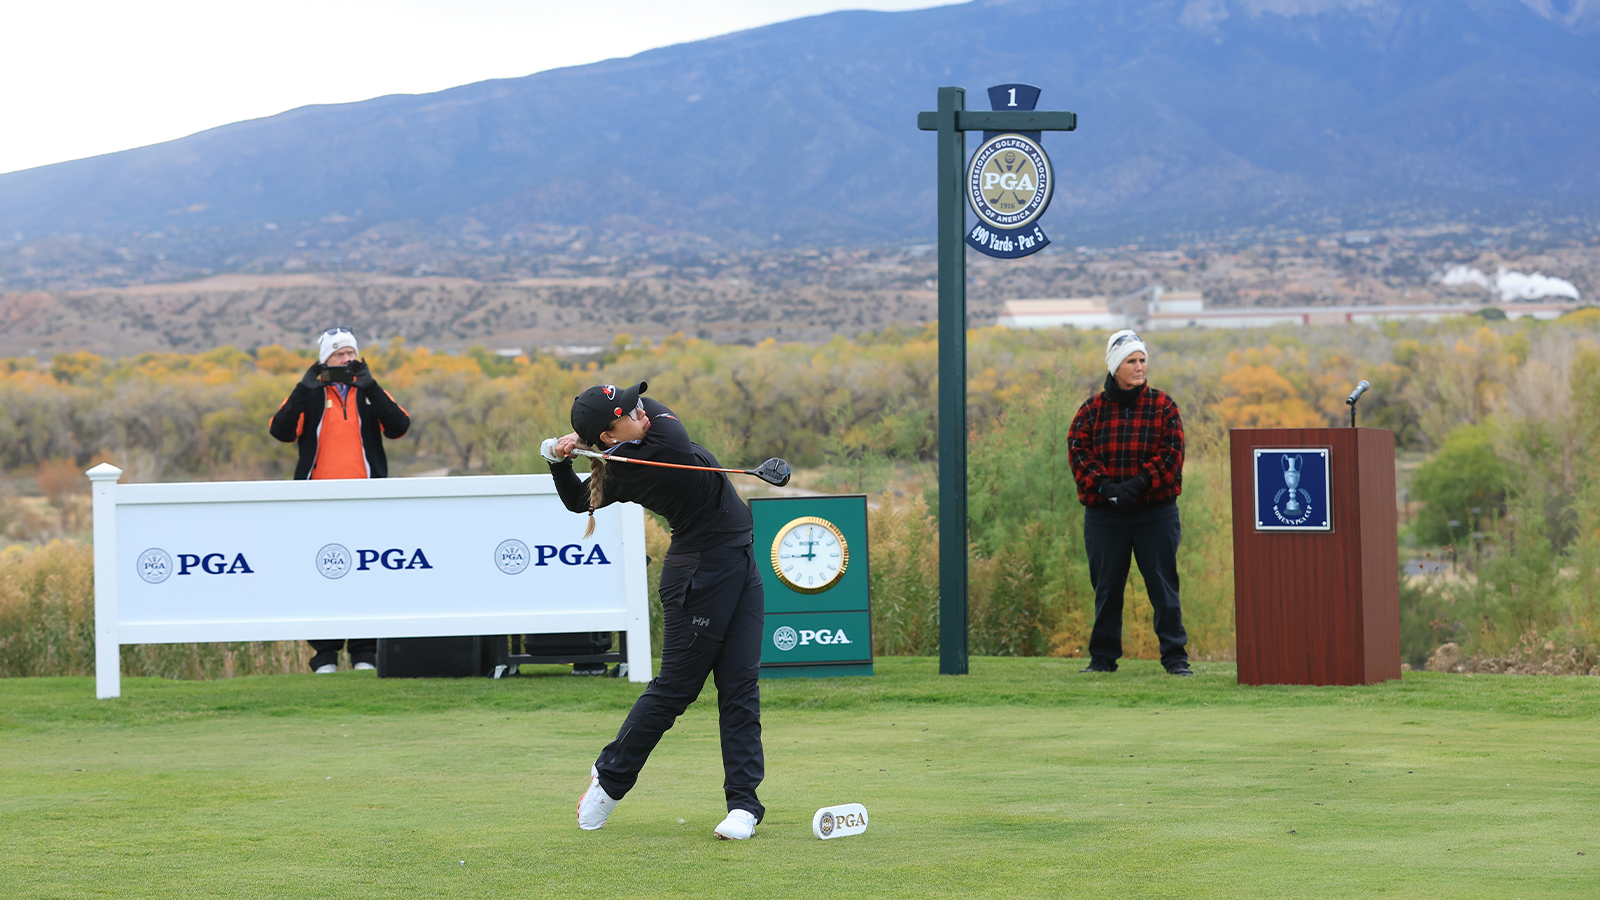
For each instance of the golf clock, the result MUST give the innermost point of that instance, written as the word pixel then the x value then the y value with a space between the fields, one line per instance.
pixel 810 554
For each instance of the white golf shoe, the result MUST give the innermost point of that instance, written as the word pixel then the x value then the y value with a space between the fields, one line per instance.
pixel 738 826
pixel 595 806
pixel 328 669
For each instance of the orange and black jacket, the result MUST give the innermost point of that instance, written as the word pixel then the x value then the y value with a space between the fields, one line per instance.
pixel 340 436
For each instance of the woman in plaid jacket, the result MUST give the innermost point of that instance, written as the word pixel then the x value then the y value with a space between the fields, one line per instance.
pixel 1126 451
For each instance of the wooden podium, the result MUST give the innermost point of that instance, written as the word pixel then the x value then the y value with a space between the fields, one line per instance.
pixel 1316 583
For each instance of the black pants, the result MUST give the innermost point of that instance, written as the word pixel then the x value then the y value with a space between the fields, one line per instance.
pixel 1113 538
pixel 362 650
pixel 714 609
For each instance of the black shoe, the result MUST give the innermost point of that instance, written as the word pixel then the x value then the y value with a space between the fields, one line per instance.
pixel 588 668
pixel 1097 667
pixel 1181 669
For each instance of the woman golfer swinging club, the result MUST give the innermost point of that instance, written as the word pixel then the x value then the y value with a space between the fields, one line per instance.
pixel 711 596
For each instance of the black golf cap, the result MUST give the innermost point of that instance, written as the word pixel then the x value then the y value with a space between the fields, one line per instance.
pixel 594 410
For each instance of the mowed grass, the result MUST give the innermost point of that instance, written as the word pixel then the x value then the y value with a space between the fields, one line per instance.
pixel 1022 779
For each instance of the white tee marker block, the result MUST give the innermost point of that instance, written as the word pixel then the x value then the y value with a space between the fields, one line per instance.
pixel 839 821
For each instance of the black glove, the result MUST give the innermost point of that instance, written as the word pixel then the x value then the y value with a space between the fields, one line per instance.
pixel 1123 493
pixel 311 381
pixel 1116 493
pixel 363 376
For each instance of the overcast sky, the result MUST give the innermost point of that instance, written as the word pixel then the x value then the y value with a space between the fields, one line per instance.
pixel 84 77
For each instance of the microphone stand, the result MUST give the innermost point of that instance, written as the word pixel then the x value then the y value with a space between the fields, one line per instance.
pixel 1354 396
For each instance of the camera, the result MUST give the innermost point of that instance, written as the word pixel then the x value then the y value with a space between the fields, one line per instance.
pixel 338 374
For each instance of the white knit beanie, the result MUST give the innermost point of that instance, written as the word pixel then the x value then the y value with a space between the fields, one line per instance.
pixel 1119 346
pixel 331 341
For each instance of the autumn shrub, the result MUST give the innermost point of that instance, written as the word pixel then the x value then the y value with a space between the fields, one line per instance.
pixel 903 545
pixel 1522 487
pixel 1509 407
pixel 47 610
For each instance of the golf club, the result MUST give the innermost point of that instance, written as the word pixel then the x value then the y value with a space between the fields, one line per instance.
pixel 773 471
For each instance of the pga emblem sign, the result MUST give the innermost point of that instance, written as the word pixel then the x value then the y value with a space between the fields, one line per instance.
pixel 1009 183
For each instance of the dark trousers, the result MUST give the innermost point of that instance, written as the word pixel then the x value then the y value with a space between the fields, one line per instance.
pixel 361 650
pixel 1114 538
pixel 714 609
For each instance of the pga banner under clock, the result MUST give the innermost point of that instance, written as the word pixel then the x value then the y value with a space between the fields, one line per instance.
pixel 812 552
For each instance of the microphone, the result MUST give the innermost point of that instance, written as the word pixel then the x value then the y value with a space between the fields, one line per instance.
pixel 1356 394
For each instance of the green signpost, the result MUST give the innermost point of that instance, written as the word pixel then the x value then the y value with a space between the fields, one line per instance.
pixel 1013 116
pixel 812 553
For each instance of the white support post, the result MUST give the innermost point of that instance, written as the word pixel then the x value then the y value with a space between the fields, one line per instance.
pixel 107 636
pixel 638 599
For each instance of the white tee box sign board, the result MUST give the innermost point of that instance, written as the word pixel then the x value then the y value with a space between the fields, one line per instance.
pixel 387 557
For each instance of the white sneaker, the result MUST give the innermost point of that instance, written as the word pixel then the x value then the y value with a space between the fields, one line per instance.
pixel 738 826
pixel 328 669
pixel 595 806
pixel 364 667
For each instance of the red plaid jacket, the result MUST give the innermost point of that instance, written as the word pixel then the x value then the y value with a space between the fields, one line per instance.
pixel 1113 442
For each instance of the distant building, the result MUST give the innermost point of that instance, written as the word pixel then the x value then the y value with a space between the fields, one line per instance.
pixel 1079 312
pixel 1192 314
pixel 1177 302
pixel 1186 309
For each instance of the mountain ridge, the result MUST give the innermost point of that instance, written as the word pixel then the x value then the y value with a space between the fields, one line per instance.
pixel 1191 112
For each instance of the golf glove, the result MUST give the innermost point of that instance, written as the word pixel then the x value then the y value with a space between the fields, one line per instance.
pixel 363 376
pixel 548 451
pixel 311 381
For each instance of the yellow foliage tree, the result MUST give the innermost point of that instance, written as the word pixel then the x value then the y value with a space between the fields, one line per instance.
pixel 1259 397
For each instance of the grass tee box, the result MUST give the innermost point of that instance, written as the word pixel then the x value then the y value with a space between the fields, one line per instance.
pixel 812 552
pixel 1020 780
pixel 388 557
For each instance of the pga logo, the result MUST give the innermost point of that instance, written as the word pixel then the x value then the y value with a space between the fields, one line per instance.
pixel 786 638
pixel 155 565
pixel 514 557
pixel 839 821
pixel 334 560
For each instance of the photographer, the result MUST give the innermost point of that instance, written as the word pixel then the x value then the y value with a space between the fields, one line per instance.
pixel 339 416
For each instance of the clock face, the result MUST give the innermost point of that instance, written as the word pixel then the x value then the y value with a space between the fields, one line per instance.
pixel 810 554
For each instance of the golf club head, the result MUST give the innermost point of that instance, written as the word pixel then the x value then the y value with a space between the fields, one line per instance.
pixel 773 471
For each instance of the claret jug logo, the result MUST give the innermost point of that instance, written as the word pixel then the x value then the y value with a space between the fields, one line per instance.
pixel 1292 492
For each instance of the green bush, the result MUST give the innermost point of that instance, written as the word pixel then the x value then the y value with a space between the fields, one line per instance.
pixel 1465 474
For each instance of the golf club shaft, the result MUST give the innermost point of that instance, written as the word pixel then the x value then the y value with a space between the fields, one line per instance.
pixel 652 462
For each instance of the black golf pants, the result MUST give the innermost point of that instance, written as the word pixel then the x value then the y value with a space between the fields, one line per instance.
pixel 714 609
pixel 1114 539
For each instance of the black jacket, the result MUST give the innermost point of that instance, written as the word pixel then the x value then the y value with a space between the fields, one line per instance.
pixel 297 420
pixel 702 508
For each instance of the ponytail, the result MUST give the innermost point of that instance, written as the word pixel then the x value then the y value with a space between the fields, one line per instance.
pixel 597 474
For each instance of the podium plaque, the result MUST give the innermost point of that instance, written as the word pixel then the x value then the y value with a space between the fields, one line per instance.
pixel 1316 563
